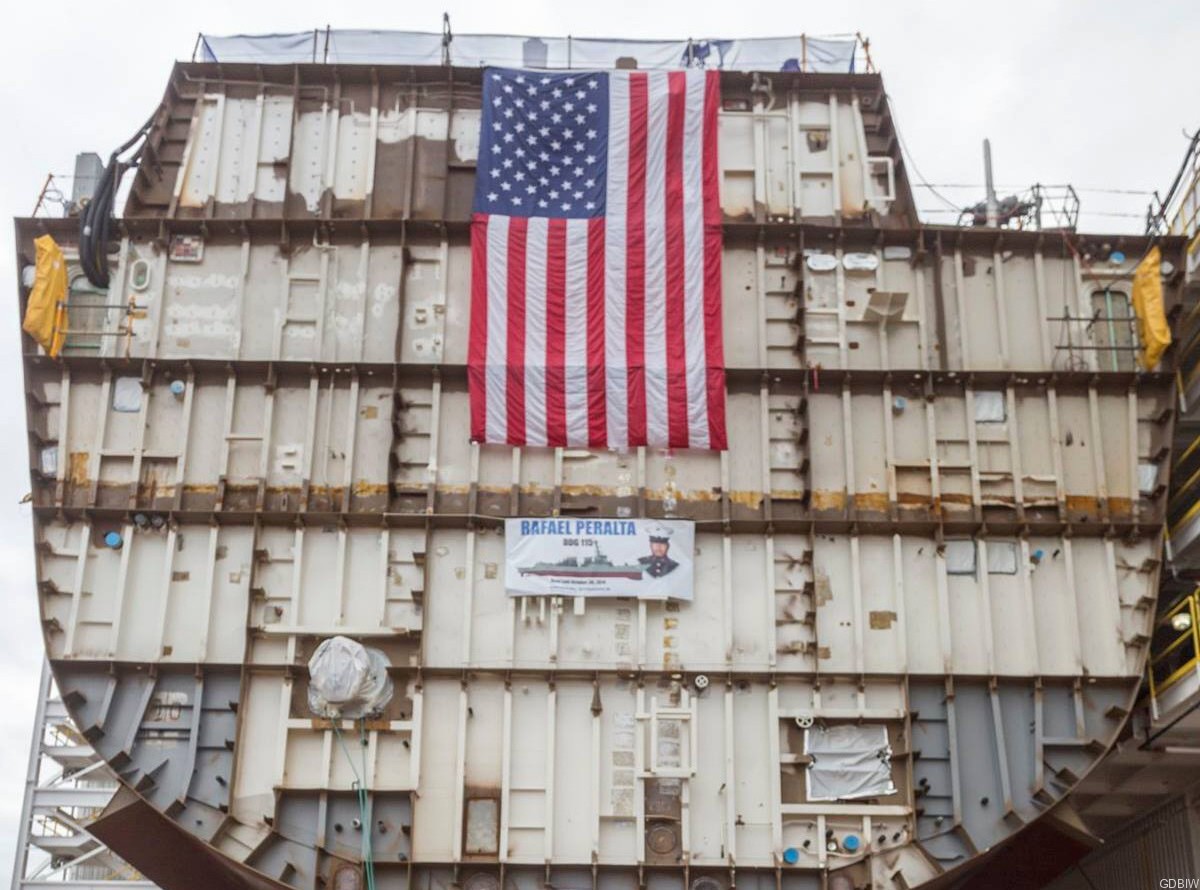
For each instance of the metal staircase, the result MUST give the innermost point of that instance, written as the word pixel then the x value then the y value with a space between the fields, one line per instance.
pixel 66 785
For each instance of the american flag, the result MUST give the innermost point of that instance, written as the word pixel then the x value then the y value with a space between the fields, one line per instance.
pixel 596 261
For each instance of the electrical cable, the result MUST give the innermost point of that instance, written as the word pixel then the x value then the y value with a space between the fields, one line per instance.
pixel 96 220
pixel 975 186
pixel 1160 218
pixel 912 163
pixel 360 791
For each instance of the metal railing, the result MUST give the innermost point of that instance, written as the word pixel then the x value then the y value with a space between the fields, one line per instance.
pixel 1178 212
pixel 53 846
pixel 1175 646
pixel 838 53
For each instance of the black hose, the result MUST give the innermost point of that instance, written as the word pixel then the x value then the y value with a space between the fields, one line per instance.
pixel 96 220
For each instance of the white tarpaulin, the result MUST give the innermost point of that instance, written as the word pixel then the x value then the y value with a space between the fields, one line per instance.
pixel 800 53
pixel 960 557
pixel 346 679
pixel 990 407
pixel 643 558
pixel 848 763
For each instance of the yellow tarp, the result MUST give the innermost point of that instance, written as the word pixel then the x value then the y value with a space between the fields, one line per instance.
pixel 1154 335
pixel 46 312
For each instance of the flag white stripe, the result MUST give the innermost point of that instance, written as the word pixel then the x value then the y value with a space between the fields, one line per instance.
pixel 616 372
pixel 497 328
pixel 535 331
pixel 576 320
pixel 693 260
pixel 656 261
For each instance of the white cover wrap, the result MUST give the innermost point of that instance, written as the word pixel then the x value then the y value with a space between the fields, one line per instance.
pixel 848 762
pixel 346 679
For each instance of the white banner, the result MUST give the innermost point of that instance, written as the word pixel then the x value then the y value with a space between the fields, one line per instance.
pixel 362 47
pixel 643 558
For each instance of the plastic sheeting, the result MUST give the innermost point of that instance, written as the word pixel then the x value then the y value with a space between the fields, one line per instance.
pixel 990 407
pixel 46 312
pixel 800 53
pixel 1002 558
pixel 848 763
pixel 346 679
pixel 1154 334
pixel 1147 478
pixel 960 557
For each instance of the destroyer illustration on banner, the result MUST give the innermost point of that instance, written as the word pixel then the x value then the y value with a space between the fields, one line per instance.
pixel 643 558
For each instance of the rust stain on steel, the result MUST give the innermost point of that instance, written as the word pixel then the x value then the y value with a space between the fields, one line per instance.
pixel 797 647
pixel 370 412
pixel 77 467
pixel 881 620
pixel 364 488
pixel 876 501
pixel 379 724
pixel 821 500
pixel 788 494
pixel 1077 503
pixel 956 498
pixel 823 653
pixel 201 488
pixel 751 499
pixel 822 589
pixel 828 500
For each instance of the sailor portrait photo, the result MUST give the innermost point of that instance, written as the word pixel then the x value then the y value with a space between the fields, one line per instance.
pixel 658 563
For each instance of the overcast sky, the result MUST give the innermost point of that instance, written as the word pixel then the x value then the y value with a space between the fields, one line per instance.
pixel 1096 94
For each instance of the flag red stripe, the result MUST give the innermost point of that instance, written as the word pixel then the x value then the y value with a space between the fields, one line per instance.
pixel 515 372
pixel 597 402
pixel 712 189
pixel 713 347
pixel 477 345
pixel 635 259
pixel 556 332
pixel 677 396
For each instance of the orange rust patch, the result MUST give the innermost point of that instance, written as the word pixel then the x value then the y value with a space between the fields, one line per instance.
pixel 751 499
pixel 881 620
pixel 953 497
pixel 370 412
pixel 419 488
pixel 1120 506
pixel 363 488
pixel 582 491
pixel 199 489
pixel 822 589
pixel 798 647
pixel 823 653
pixel 77 467
pixel 828 500
pixel 875 501
pixel 1083 503
pixel 699 494
pixel 788 495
